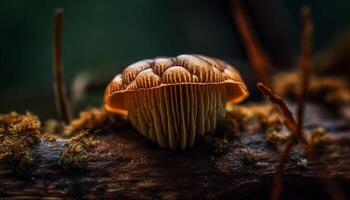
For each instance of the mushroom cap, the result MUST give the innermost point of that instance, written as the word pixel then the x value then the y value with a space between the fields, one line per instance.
pixel 183 69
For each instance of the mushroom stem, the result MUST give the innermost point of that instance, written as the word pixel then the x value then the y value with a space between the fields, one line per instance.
pixel 59 86
pixel 257 57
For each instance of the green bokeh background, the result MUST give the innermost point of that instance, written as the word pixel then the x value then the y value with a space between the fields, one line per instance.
pixel 102 37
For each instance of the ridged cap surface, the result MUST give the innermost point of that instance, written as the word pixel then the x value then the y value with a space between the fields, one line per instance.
pixel 183 69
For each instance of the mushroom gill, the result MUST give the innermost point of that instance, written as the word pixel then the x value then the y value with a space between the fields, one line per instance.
pixel 173 101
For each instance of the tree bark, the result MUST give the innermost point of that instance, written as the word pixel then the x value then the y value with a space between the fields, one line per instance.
pixel 124 165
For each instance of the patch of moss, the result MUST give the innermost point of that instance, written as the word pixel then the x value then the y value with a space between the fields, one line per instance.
pixel 19 134
pixel 75 155
pixel 244 118
pixel 94 121
pixel 52 126
pixel 254 117
pixel 328 90
pixel 276 135
pixel 318 138
pixel 239 119
pixel 49 138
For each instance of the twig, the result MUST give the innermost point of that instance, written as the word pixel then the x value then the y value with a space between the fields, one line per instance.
pixel 278 179
pixel 278 100
pixel 59 86
pixel 304 67
pixel 258 59
pixel 292 126
pixel 297 128
pixel 305 70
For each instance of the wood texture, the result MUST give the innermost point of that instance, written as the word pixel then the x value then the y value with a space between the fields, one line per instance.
pixel 125 165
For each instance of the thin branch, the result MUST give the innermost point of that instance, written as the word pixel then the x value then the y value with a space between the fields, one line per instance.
pixel 59 86
pixel 305 72
pixel 292 126
pixel 278 179
pixel 258 59
pixel 305 66
pixel 297 128
pixel 278 100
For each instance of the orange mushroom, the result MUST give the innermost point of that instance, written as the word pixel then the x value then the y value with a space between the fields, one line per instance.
pixel 173 101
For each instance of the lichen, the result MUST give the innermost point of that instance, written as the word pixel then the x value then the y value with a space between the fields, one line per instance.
pixel 19 134
pixel 75 155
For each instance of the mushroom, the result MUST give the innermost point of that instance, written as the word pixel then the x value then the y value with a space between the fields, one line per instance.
pixel 173 101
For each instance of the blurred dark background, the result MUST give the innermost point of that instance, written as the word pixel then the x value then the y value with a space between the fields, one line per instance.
pixel 100 38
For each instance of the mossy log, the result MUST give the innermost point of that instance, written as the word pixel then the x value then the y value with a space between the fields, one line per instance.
pixel 124 165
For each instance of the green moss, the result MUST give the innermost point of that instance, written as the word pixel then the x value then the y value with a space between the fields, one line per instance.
pixel 19 135
pixel 76 155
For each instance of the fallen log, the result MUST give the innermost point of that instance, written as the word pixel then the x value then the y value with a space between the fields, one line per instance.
pixel 125 165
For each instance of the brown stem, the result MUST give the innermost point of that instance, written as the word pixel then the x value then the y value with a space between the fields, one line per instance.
pixel 305 71
pixel 278 100
pixel 257 57
pixel 59 86
pixel 278 179
pixel 297 128
pixel 304 67
pixel 292 126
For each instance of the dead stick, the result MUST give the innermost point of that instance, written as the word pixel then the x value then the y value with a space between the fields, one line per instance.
pixel 297 128
pixel 304 67
pixel 292 126
pixel 278 100
pixel 258 59
pixel 305 71
pixel 278 179
pixel 59 86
